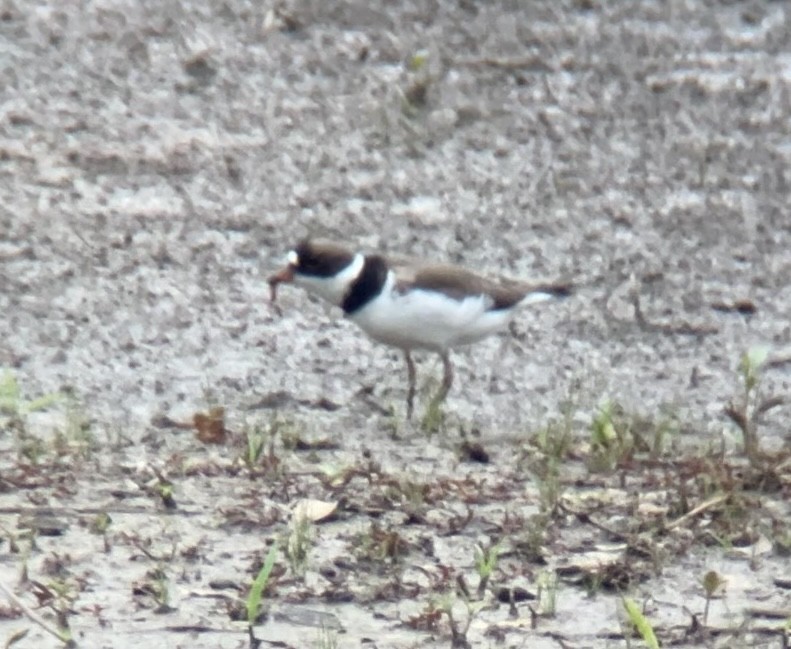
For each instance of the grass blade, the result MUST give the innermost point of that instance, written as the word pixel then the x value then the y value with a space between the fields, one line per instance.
pixel 640 623
pixel 257 589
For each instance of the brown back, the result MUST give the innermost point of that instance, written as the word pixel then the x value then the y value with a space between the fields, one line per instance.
pixel 459 283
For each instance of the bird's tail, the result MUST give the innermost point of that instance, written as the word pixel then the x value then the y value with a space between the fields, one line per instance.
pixel 545 292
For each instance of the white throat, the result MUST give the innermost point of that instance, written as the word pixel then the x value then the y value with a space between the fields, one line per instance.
pixel 333 289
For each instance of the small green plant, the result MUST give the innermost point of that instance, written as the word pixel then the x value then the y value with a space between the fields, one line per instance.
pixel 15 406
pixel 411 493
pixel 485 564
pixel 256 439
pixel 547 594
pixel 63 634
pixel 14 411
pixel 76 436
pixel 711 583
pixel 160 590
pixel 641 624
pixel 458 629
pixel 100 526
pixel 594 582
pixel 380 545
pixel 611 438
pixel 31 448
pixel 63 595
pixel 254 598
pixel 664 428
pixel 531 543
pixel 433 418
pixel 555 439
pixel 298 544
pixel 750 366
pixel 603 433
pixel 550 490
pixel 259 454
pixel 552 443
pixel 415 94
pixel 417 61
pixel 746 410
pixel 164 489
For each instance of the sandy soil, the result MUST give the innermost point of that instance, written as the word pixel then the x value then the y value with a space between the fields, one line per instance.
pixel 157 160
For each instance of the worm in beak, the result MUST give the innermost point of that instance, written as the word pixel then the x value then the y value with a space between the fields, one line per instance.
pixel 284 275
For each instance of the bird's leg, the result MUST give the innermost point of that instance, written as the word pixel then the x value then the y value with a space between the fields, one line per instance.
pixel 447 380
pixel 410 395
pixel 505 345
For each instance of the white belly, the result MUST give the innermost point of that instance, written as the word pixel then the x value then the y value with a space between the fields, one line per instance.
pixel 421 319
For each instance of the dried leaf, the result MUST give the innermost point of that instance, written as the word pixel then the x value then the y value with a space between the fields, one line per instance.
pixel 314 510
pixel 210 427
pixel 16 637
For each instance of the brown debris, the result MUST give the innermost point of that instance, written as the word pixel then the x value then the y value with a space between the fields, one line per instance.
pixel 210 427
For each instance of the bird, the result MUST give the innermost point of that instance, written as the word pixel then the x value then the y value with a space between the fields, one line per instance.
pixel 410 304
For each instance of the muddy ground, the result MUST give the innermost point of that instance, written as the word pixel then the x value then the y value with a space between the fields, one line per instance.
pixel 157 160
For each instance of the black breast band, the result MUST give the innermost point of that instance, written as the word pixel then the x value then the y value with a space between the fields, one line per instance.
pixel 367 286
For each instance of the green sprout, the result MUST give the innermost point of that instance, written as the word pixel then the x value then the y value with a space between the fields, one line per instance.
pixel 485 564
pixel 13 405
pixel 298 544
pixel 711 582
pixel 746 411
pixel 640 623
pixel 259 586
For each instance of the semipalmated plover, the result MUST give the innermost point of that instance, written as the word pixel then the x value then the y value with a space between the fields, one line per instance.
pixel 410 305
